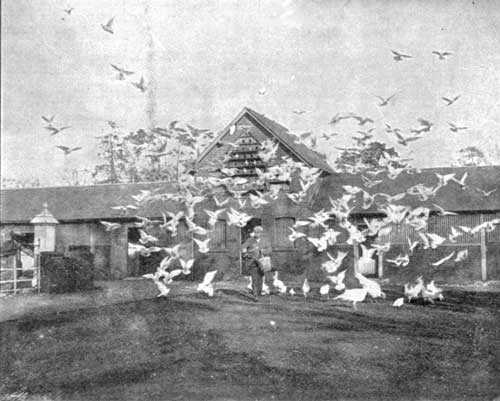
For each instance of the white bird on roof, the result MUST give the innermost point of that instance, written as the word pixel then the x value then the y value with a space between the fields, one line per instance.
pixel 353 295
pixel 461 181
pixel 111 226
pixel 306 288
pixel 443 212
pixel 206 285
pixel 444 179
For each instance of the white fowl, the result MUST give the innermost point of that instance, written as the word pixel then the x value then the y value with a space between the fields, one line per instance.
pixel 278 284
pixel 306 288
pixel 414 292
pixel 431 292
pixel 399 302
pixel 353 295
pixel 324 290
pixel 373 288
pixel 265 288
pixel 206 285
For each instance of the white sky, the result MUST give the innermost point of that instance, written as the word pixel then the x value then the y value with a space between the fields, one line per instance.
pixel 212 57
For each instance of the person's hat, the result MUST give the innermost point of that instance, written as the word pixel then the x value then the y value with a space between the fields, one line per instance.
pixel 258 229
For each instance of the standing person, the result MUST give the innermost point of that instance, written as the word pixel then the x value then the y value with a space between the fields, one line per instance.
pixel 253 249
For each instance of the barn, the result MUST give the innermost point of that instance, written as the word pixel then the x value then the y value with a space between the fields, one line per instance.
pixel 80 210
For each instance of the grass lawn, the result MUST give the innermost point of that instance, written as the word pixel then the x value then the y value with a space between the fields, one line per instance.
pixel 227 348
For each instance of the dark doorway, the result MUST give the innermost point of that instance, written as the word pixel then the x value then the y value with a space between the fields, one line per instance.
pixel 370 268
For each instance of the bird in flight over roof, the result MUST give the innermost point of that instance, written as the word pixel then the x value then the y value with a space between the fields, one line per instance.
pixel 399 56
pixel 67 150
pixel 456 128
pixel 450 101
pixel 108 27
pixel 385 101
pixel 441 55
pixel 122 73
pixel 54 130
pixel 140 85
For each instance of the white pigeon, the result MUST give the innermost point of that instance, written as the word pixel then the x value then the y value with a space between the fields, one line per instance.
pixel 400 260
pixel 399 302
pixel 431 292
pixel 332 265
pixel 214 216
pixel 186 265
pixel 202 245
pixel 435 240
pixel 111 226
pixel 414 292
pixel 206 285
pixel 292 292
pixel 265 288
pixel 295 235
pixel 324 290
pixel 353 295
pixel 462 255
pixel 373 288
pixel 146 238
pixel 277 283
pixel 306 288
pixel 441 261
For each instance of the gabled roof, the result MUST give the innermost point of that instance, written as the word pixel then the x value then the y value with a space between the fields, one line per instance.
pixel 92 202
pixel 280 133
pixel 451 197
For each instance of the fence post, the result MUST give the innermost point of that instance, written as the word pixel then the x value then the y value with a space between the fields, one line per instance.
pixel 380 264
pixel 484 265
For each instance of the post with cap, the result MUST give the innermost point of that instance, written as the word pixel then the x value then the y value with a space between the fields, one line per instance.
pixel 45 230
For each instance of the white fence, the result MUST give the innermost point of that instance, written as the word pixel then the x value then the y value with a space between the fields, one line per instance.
pixel 15 279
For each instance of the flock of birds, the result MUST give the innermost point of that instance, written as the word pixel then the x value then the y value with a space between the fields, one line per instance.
pixel 195 190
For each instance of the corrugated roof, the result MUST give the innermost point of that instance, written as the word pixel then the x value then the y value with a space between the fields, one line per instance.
pixel 281 133
pixel 451 197
pixel 76 203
